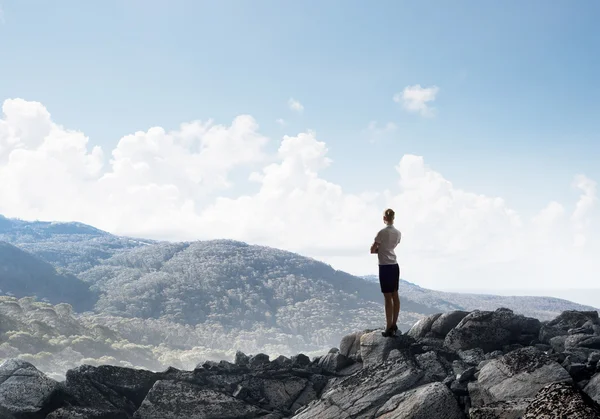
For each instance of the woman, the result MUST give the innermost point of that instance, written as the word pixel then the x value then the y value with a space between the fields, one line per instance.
pixel 389 272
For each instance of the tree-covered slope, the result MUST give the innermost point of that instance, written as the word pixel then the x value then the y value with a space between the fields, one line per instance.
pixel 73 246
pixel 23 274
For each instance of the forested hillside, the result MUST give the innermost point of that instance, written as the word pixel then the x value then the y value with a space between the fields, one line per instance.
pixel 23 274
pixel 72 246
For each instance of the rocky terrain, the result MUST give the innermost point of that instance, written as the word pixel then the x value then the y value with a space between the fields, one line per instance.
pixel 459 364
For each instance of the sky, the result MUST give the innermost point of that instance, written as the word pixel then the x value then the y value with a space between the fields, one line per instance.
pixel 295 124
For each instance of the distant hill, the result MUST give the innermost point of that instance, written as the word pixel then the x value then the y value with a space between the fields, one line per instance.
pixel 73 246
pixel 23 274
pixel 543 308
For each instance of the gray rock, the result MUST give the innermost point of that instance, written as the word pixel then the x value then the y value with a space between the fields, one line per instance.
pixel 430 401
pixel 519 374
pixel 467 375
pixel 363 393
pixel 432 365
pixel 561 400
pixel 334 362
pixel 567 320
pixel 510 409
pixel 26 392
pixel 557 343
pixel 177 399
pixel 108 387
pixel 241 358
pixel 258 360
pixel 350 344
pixel 446 322
pixel 475 394
pixel 593 358
pixel 491 330
pixel 375 348
pixel 472 356
pixel 423 326
pixel 75 412
pixel 592 389
pixel 494 354
pixel 300 360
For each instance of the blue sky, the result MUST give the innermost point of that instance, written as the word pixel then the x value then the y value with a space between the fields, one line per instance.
pixel 516 115
pixel 517 111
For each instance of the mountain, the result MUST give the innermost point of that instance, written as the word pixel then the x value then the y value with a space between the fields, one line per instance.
pixel 543 308
pixel 73 246
pixel 23 274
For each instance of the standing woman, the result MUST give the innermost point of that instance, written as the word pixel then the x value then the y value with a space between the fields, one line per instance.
pixel 389 272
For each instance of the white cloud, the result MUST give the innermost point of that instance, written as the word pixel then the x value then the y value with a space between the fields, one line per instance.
pixel 281 122
pixel 416 98
pixel 375 132
pixel 168 185
pixel 295 105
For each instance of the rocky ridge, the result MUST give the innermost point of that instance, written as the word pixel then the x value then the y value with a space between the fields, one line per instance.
pixel 479 364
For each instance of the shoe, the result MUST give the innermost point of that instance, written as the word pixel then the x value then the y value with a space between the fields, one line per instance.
pixel 388 332
pixel 395 329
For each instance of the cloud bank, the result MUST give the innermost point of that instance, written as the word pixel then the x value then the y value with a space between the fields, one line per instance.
pixel 172 185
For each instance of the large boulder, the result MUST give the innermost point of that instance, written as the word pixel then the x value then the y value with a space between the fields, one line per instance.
pixel 375 348
pixel 562 400
pixel 423 326
pixel 446 322
pixel 365 392
pixel 26 392
pixel 519 374
pixel 179 399
pixel 592 388
pixel 567 320
pixel 77 412
pixel 492 330
pixel 430 401
pixel 350 345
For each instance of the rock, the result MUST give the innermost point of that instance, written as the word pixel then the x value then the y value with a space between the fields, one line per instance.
pixel 475 394
pixel 300 360
pixel 472 356
pixel 459 388
pixel 567 320
pixel 593 358
pixel 587 328
pixel 467 375
pixel 491 330
pixel 432 365
pixel 430 401
pixel 509 409
pixel 350 344
pixel 177 399
pixel 109 387
pixel 423 326
pixel 494 354
pixel 519 374
pixel 241 358
pixel 592 389
pixel 75 412
pixel 26 392
pixel 543 347
pixel 334 362
pixel 281 361
pixel 557 343
pixel 363 393
pixel 446 322
pixel 258 360
pixel 561 400
pixel 375 348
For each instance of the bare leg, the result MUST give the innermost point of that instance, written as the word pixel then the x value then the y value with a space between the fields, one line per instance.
pixel 396 301
pixel 389 309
